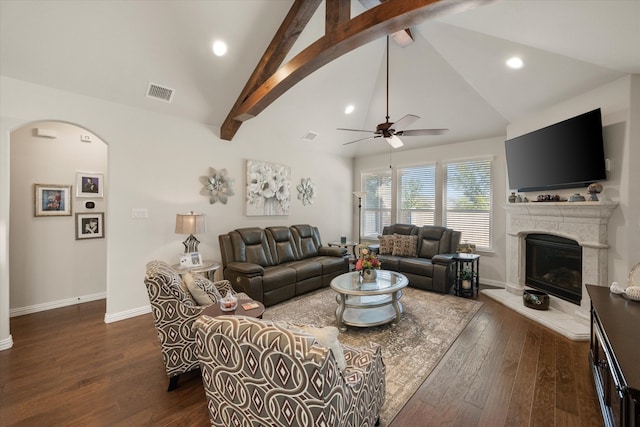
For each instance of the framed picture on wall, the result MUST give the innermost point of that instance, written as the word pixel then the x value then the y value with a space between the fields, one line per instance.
pixel 89 184
pixel 89 225
pixel 51 200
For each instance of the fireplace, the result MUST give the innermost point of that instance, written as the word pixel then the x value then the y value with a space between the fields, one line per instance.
pixel 584 223
pixel 554 265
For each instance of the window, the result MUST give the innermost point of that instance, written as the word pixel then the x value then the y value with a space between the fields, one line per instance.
pixel 376 204
pixel 417 195
pixel 468 196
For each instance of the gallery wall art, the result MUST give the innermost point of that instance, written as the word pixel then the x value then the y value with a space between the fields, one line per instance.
pixel 51 200
pixel 268 188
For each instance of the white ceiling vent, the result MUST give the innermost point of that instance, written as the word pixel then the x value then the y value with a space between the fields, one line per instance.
pixel 159 92
pixel 310 136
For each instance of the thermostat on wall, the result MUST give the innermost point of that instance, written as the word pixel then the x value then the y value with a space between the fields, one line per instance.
pixel 89 204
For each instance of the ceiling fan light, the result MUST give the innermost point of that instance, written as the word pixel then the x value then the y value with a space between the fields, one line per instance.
pixel 394 141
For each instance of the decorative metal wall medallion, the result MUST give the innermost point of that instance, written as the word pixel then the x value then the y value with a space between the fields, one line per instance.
pixel 217 186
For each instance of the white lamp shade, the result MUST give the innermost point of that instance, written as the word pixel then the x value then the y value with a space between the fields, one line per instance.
pixel 394 141
pixel 190 223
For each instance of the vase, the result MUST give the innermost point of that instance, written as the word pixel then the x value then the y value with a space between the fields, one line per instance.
pixel 466 284
pixel 369 275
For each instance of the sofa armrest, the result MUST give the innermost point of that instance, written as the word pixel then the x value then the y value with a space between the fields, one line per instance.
pixel 246 268
pixel 332 251
pixel 443 259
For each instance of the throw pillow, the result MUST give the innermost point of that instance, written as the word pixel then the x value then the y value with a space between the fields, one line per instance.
pixel 386 244
pixel 429 248
pixel 328 338
pixel 405 245
pixel 199 288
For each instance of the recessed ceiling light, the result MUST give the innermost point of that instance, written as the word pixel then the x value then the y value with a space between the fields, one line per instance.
pixel 219 48
pixel 349 109
pixel 515 63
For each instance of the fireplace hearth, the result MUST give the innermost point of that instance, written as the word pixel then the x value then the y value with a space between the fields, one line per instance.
pixel 554 265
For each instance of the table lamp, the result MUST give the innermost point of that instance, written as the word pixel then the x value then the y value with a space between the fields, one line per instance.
pixel 191 223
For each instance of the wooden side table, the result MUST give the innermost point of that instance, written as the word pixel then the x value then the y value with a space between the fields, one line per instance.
pixel 469 262
pixel 208 268
pixel 214 310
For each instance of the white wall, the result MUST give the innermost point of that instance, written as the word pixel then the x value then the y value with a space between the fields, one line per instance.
pixel 492 264
pixel 155 163
pixel 49 267
pixel 620 104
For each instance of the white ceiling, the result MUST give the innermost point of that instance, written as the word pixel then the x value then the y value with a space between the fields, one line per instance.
pixel 453 76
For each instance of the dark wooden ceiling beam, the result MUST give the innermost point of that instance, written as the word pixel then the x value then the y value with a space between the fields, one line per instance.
pixel 296 20
pixel 386 18
pixel 338 12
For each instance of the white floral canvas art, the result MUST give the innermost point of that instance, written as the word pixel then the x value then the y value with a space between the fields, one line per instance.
pixel 268 188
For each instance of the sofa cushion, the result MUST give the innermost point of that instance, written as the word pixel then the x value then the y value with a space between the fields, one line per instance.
pixel 429 248
pixel 386 245
pixel 306 269
pixel 331 264
pixel 417 266
pixel 405 245
pixel 281 243
pixel 278 276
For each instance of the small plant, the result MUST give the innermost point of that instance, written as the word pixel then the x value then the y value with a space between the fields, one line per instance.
pixel 467 274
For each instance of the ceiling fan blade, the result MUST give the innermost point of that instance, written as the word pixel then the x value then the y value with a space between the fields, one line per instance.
pixel 404 122
pixel 356 130
pixel 419 132
pixel 394 141
pixel 361 139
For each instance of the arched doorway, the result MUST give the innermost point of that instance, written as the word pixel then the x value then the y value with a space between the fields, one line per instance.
pixel 55 260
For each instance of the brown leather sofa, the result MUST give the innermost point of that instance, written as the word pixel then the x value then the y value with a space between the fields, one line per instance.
pixel 424 254
pixel 275 264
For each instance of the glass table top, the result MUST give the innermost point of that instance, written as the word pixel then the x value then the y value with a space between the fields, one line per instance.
pixel 386 282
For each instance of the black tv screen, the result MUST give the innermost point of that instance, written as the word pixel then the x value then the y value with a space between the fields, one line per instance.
pixel 568 154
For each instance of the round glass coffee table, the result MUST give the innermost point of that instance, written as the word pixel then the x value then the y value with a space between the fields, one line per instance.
pixel 372 303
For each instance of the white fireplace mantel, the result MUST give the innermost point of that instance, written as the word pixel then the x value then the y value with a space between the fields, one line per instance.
pixel 584 222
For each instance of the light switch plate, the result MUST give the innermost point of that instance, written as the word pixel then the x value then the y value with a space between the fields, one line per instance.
pixel 139 213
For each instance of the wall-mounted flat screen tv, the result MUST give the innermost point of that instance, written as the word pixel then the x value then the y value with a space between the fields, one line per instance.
pixel 568 154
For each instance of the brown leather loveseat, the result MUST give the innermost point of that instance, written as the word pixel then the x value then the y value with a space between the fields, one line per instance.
pixel 275 264
pixel 423 254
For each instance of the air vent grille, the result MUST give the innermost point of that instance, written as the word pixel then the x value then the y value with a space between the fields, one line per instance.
pixel 310 136
pixel 159 92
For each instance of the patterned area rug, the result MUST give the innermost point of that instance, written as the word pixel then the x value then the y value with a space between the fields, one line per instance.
pixel 430 324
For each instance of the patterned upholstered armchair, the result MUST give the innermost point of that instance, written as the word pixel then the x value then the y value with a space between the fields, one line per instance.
pixel 174 311
pixel 258 373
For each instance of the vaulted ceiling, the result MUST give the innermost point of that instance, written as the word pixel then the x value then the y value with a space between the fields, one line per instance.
pixel 453 75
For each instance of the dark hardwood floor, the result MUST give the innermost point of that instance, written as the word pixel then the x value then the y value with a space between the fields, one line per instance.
pixel 67 367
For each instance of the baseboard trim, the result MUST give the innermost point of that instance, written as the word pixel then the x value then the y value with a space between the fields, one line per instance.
pixel 127 314
pixel 6 343
pixel 495 283
pixel 21 311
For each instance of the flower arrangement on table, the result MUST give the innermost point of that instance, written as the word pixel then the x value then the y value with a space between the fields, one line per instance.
pixel 367 260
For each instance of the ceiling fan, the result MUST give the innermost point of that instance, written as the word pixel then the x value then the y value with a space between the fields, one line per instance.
pixel 391 131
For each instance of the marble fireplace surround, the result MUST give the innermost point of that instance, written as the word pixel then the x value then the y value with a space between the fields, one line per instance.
pixel 584 222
